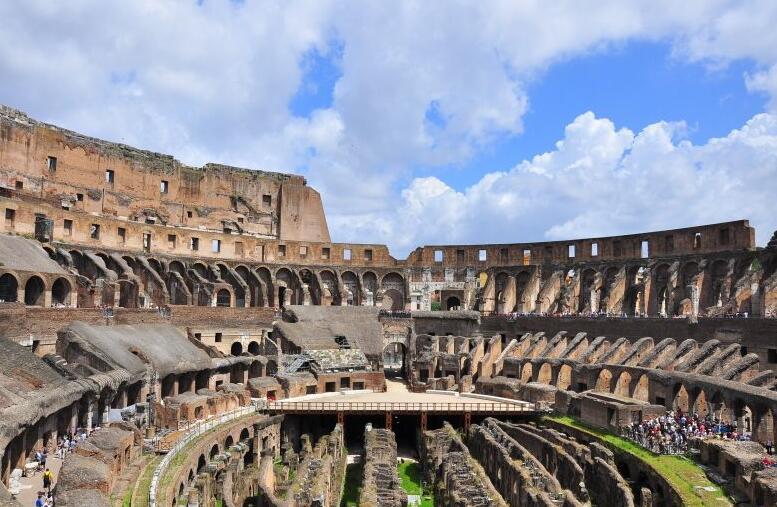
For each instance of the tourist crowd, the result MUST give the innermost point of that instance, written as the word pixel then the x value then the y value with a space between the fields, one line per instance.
pixel 672 432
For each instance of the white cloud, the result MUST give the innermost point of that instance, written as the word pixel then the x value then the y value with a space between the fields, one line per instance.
pixel 601 180
pixel 214 83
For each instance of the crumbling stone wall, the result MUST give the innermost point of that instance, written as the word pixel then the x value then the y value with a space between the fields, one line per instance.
pixel 458 479
pixel 381 484
pixel 319 476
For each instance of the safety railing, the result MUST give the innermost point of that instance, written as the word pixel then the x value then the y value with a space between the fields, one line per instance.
pixel 191 433
pixel 379 406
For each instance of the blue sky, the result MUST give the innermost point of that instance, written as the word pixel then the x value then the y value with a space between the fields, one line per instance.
pixel 432 122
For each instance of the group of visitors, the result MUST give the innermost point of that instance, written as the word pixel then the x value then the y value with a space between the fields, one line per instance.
pixel 65 445
pixel 672 432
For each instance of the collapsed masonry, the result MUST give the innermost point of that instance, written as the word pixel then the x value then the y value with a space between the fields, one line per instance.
pixel 457 477
pixel 381 485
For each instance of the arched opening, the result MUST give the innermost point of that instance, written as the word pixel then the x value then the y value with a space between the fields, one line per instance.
pixel 370 286
pixel 272 367
pixel 236 349
pixel 587 281
pixel 351 285
pixel 9 288
pixel 34 291
pixel 622 385
pixel 526 372
pixel 244 435
pixel 700 405
pixel 223 298
pixel 394 360
pixel 214 451
pixel 681 399
pixel 641 389
pixel 229 442
pixel 329 293
pixel 545 374
pixel 564 377
pixel 255 370
pixel 452 303
pixel 201 462
pixel 604 381
pixel 253 348
pixel 393 286
pixel 60 292
pixel 502 303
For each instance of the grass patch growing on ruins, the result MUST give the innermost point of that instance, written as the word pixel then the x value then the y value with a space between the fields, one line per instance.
pixel 353 482
pixel 410 475
pixel 140 492
pixel 686 477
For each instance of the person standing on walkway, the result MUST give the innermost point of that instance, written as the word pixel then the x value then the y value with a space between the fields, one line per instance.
pixel 48 478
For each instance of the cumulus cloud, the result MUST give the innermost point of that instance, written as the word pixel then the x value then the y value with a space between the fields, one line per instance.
pixel 601 180
pixel 421 84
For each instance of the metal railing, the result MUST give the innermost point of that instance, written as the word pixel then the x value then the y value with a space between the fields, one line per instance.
pixel 193 432
pixel 397 406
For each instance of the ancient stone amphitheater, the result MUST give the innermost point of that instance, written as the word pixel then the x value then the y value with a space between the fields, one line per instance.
pixel 175 335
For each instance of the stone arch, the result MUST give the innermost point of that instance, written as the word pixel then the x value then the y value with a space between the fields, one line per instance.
pixel 370 284
pixel 229 442
pixel 266 279
pixel 608 284
pixel 255 292
pixel 330 294
pixel 659 301
pixel 201 269
pixel 452 303
pixel 681 399
pixel 545 375
pixel 604 381
pixel 564 380
pixel 526 372
pixel 309 279
pixel 717 294
pixel 201 462
pixel 224 298
pixel 641 389
pixel 288 287
pixel 700 404
pixel 633 296
pixel 34 291
pixel 244 435
pixel 272 367
pixel 587 283
pixel 214 451
pixel 501 281
pixel 622 384
pixel 9 288
pixel 236 348
pixel 253 348
pixel 393 285
pixel 351 285
pixel 523 300
pixel 60 292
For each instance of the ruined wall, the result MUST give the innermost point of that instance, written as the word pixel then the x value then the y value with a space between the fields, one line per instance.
pixel 458 479
pixel 381 485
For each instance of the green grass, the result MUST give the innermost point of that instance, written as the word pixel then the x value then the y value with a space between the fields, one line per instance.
pixel 353 482
pixel 410 476
pixel 682 473
pixel 140 492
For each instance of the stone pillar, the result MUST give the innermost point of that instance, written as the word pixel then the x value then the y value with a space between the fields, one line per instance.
pixel 47 298
pixel 89 414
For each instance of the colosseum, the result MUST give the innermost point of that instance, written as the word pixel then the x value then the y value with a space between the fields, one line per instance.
pixel 191 336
